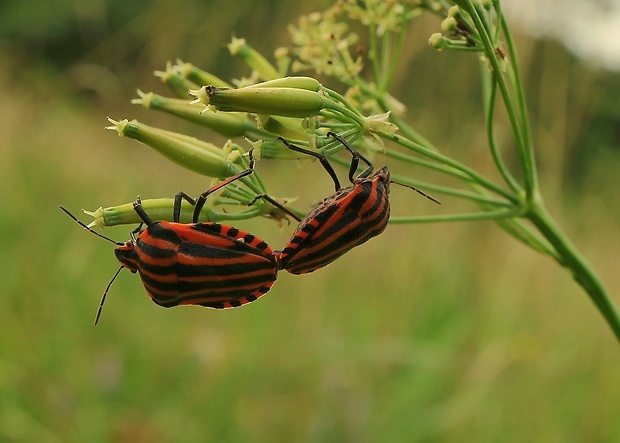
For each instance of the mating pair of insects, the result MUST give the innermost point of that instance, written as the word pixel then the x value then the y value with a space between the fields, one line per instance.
pixel 219 266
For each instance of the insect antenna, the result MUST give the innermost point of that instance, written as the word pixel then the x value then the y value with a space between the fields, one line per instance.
pixel 430 197
pixel 66 211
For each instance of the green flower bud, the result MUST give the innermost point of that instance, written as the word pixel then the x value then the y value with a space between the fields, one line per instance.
pixel 296 82
pixel 449 24
pixel 157 209
pixel 438 41
pixel 175 82
pixel 282 57
pixel 189 152
pixel 287 128
pixel 229 124
pixel 198 76
pixel 288 102
pixel 163 209
pixel 239 48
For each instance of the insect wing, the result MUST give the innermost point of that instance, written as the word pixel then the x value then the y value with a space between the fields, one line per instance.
pixel 205 264
pixel 341 222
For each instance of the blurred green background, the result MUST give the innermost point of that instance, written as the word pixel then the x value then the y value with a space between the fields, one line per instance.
pixel 446 332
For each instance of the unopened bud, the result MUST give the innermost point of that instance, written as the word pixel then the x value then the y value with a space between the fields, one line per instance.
pixel 453 11
pixel 157 209
pixel 239 48
pixel 288 102
pixel 295 82
pixel 189 152
pixel 198 76
pixel 449 24
pixel 229 124
pixel 287 128
pixel 178 84
pixel 438 41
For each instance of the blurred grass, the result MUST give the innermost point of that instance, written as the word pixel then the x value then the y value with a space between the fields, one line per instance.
pixel 450 332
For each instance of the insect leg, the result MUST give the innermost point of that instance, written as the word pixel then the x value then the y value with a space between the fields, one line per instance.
pixel 320 157
pixel 178 198
pixel 137 206
pixel 277 204
pixel 356 156
pixel 200 201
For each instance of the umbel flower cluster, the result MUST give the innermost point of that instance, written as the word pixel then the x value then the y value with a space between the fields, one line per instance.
pixel 285 102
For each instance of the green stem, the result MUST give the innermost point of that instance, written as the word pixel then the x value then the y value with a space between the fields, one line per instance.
pixel 489 90
pixel 487 215
pixel 403 126
pixel 427 164
pixel 520 93
pixel 478 198
pixel 374 50
pixel 479 179
pixel 526 234
pixel 338 100
pixel 570 258
pixel 335 110
pixel 395 57
pixel 524 150
pixel 386 49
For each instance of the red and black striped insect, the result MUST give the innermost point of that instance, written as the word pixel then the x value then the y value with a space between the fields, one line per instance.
pixel 346 219
pixel 206 264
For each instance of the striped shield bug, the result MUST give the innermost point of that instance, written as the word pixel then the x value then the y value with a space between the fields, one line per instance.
pixel 346 219
pixel 206 264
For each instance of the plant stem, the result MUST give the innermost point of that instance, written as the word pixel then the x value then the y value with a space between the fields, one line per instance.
pixel 520 93
pixel 487 215
pixel 453 192
pixel 374 51
pixel 526 234
pixel 403 126
pixel 395 59
pixel 565 252
pixel 524 146
pixel 473 175
pixel 570 258
pixel 489 85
